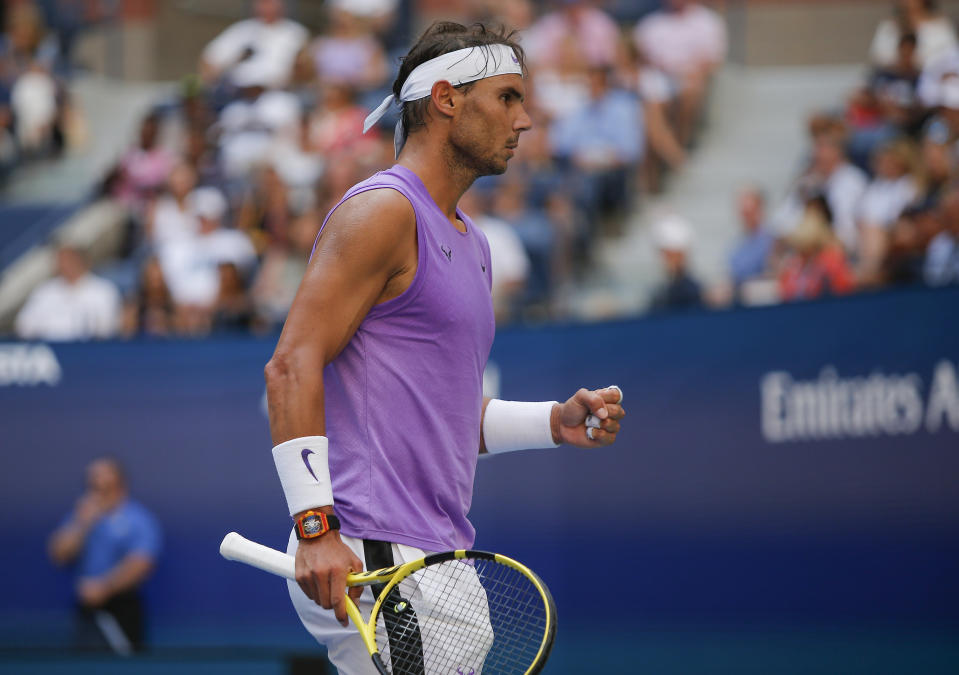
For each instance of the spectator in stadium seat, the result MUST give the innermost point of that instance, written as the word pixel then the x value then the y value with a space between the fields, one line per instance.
pixel 578 22
pixel 336 125
pixel 688 42
pixel 298 165
pixel 508 257
pixel 750 259
pixel 630 11
pixel 935 34
pixel 534 161
pixel 602 143
pixel 938 169
pixel 252 128
pixel 112 542
pixel 906 250
pixel 143 170
pixel 25 41
pixel 28 56
pixel 74 305
pixel 941 266
pixel 266 209
pixel 256 53
pixel 379 16
pixel 170 217
pixel 673 237
pixel 560 88
pixel 233 308
pixel 150 311
pixel 894 187
pixel 34 100
pixel 895 85
pixel 945 124
pixel 815 264
pixel 8 144
pixel 537 232
pixel 191 264
pixel 200 153
pixel 517 14
pixel 657 97
pixel 347 53
pixel 887 107
pixel 548 192
pixel 830 174
pixel 282 269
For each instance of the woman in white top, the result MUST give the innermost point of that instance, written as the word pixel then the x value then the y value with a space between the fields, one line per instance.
pixel 935 33
pixel 894 187
pixel 169 217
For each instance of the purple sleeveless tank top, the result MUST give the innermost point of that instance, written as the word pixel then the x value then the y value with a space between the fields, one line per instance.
pixel 404 398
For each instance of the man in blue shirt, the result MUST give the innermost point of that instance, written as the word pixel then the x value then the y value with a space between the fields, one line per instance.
pixel 112 543
pixel 750 259
pixel 602 143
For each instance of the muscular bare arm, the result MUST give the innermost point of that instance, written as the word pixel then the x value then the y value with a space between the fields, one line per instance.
pixel 365 256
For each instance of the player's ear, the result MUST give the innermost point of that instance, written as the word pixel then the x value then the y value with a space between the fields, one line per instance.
pixel 443 95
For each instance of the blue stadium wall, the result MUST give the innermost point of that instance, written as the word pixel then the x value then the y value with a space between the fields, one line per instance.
pixel 780 467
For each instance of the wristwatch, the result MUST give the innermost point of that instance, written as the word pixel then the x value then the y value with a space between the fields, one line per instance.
pixel 313 524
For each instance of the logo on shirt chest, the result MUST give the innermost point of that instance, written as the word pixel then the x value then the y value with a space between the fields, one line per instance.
pixel 448 252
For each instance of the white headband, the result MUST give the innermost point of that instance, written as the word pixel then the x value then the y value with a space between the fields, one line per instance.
pixel 459 67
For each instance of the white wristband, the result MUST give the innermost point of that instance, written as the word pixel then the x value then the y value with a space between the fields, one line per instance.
pixel 304 470
pixel 517 425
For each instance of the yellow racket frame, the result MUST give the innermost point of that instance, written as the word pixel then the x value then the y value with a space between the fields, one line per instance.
pixel 391 576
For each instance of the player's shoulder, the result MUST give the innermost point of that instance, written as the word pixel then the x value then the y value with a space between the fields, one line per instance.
pixel 383 209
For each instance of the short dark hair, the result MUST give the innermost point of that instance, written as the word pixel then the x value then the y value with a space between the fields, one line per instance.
pixel 443 37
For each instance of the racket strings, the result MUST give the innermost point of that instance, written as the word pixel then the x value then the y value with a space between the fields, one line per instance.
pixel 471 617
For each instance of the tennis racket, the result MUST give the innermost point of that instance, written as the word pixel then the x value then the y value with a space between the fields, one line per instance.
pixel 453 613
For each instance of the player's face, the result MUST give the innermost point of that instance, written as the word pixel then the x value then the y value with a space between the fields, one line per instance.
pixel 485 136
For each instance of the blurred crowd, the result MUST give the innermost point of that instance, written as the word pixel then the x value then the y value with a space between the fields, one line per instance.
pixel 876 203
pixel 36 118
pixel 227 186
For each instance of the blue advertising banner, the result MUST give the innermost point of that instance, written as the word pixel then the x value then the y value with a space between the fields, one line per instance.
pixel 796 464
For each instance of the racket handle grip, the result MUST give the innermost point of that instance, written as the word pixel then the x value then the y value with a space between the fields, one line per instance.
pixel 237 547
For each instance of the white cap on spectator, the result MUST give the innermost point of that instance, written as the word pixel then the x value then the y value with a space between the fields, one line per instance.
pixel 949 92
pixel 364 8
pixel 208 202
pixel 673 233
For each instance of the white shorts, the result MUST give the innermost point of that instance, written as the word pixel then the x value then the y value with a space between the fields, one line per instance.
pixel 345 648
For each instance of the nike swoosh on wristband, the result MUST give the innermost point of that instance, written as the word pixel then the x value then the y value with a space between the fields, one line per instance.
pixel 307 462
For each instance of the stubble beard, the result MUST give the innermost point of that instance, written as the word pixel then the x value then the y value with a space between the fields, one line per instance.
pixel 469 152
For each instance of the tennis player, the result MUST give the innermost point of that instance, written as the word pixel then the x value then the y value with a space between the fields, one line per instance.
pixel 375 387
